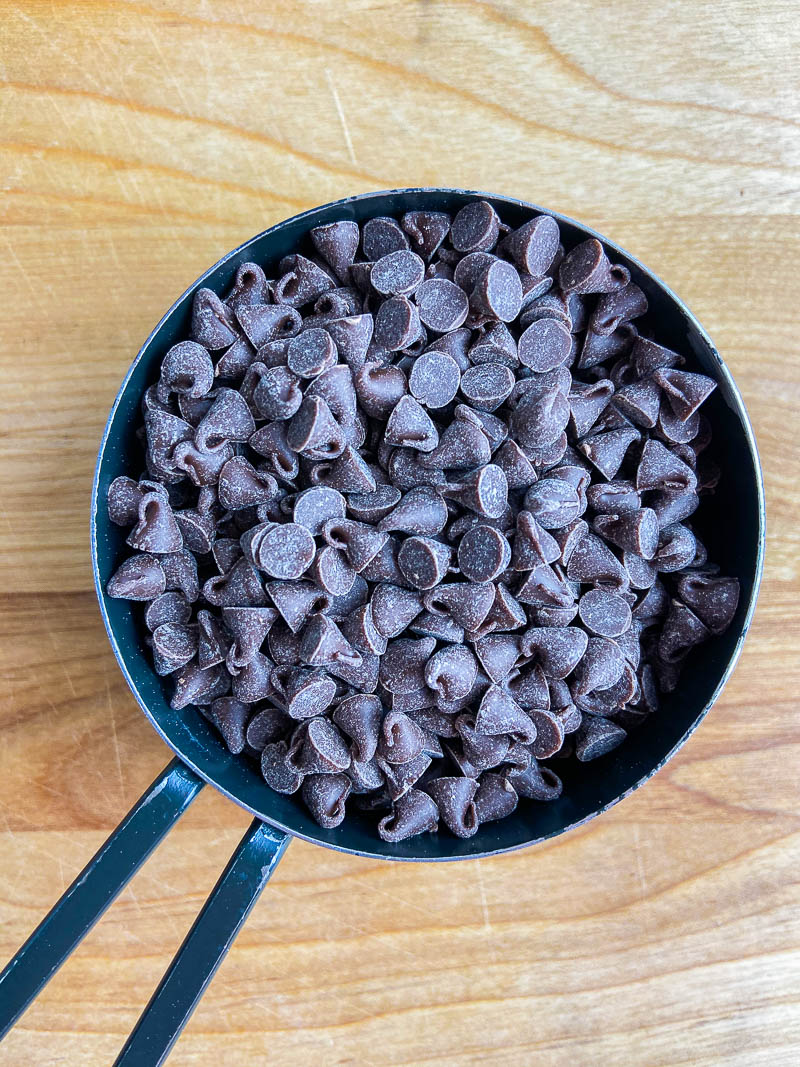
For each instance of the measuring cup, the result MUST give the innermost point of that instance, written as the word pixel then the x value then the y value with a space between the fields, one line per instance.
pixel 732 524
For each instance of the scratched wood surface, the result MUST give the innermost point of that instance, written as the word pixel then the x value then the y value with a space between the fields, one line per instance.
pixel 139 143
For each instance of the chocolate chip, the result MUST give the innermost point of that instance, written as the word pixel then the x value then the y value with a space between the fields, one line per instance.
pixel 496 797
pixel 661 469
pixel 426 230
pixel 498 713
pixel 549 733
pixel 592 562
pixel 557 649
pixel 434 379
pixel 138 578
pixel 538 421
pixel 400 740
pixel 410 426
pixel 483 554
pixel 397 273
pixel 613 497
pixel 471 268
pixel 639 401
pixel 352 336
pixel 684 391
pixel 325 796
pixel 487 385
pixel 603 613
pixel 534 245
pixel 586 269
pixel 397 323
pixel 535 782
pixel 381 236
pixel 484 491
pixel 713 599
pixel 379 388
pixel 468 603
pixel 412 813
pixel 311 353
pixel 213 325
pixel 545 345
pixel 420 511
pixel 451 672
pixel 682 631
pixel 597 737
pixel 677 546
pixel 475 228
pixel 266 727
pixel 301 282
pixel 323 644
pixel 423 561
pixel 635 531
pixel 498 292
pixel 317 747
pixel 552 502
pixel 462 446
pixel 442 304
pixel 337 243
pixel 454 798
pixel 402 668
pixel 617 307
pixel 601 666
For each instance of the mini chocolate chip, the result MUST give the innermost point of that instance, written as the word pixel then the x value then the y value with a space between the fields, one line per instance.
pixel 484 491
pixel 597 737
pixel 483 554
pixel 586 269
pixel 410 426
pixel 311 353
pixel 397 273
pixel 412 813
pixel 397 323
pixel 423 561
pixel 434 379
pixel 380 236
pixel 603 613
pixel 487 385
pixel 545 345
pixel 442 304
pixel 475 228
pixel 498 292
pixel 454 797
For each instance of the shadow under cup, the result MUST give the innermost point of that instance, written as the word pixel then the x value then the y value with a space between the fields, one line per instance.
pixel 731 523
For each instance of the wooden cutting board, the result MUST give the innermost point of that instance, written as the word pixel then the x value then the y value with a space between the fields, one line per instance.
pixel 142 140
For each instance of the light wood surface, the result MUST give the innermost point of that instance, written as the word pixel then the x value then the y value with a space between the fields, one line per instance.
pixel 140 141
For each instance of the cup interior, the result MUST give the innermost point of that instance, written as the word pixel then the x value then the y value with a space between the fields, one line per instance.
pixel 731 522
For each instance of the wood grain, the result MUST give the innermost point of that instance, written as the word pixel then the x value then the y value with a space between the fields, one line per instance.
pixel 138 142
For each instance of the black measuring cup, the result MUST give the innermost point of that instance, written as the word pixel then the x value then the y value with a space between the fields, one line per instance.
pixel 732 524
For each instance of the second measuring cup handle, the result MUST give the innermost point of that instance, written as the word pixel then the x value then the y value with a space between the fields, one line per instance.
pixel 103 878
pixel 205 946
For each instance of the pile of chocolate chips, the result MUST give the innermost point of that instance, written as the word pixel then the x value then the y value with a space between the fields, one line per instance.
pixel 414 517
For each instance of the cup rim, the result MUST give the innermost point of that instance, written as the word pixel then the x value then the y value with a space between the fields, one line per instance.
pixel 722 371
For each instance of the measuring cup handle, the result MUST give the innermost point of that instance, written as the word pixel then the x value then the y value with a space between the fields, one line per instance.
pixel 205 946
pixel 151 817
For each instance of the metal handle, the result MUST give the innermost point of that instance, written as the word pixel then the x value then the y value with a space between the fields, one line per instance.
pixel 98 884
pixel 205 946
